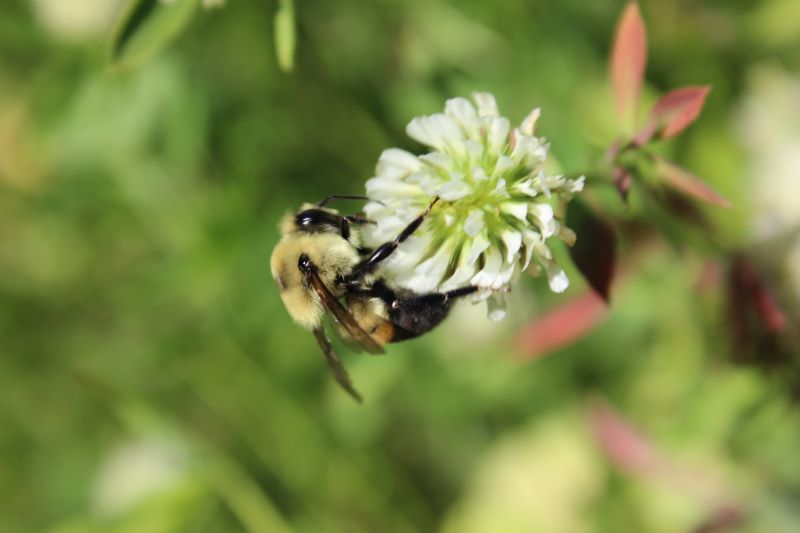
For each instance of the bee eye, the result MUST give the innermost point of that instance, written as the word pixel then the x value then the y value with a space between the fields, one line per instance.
pixel 311 217
pixel 317 220
pixel 304 263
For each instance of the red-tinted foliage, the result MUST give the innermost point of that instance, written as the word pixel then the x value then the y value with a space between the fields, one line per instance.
pixel 561 326
pixel 628 58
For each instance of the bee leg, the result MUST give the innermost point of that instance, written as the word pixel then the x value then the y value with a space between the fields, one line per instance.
pixel 434 298
pixel 359 219
pixel 345 228
pixel 345 222
pixel 335 364
pixel 386 249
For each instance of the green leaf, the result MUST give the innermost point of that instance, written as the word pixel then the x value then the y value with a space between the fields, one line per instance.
pixel 147 26
pixel 285 38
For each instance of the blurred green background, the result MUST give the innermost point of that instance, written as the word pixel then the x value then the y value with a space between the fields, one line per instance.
pixel 150 379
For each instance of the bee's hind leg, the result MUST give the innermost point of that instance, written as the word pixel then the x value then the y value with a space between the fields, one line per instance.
pixel 335 364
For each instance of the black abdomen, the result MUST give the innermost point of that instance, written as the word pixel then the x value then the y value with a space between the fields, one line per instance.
pixel 416 316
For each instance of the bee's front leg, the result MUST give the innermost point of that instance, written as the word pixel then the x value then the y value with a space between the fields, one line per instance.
pixel 382 252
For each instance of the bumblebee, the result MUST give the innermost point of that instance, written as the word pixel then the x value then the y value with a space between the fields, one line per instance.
pixel 322 270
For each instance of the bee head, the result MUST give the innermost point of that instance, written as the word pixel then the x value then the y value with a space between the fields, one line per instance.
pixel 333 258
pixel 312 219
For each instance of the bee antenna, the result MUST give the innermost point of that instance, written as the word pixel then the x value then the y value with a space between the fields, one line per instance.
pixel 345 197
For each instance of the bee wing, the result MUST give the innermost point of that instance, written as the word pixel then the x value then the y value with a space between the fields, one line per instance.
pixel 342 315
pixel 335 364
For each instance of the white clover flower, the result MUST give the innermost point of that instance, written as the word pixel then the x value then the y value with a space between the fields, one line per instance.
pixel 494 216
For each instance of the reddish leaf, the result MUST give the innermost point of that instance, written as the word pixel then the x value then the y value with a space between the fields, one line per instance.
pixel 684 208
pixel 673 113
pixel 759 295
pixel 684 181
pixel 632 452
pixel 561 326
pixel 628 58
pixel 721 520
pixel 771 315
pixel 622 178
pixel 594 253
pixel 625 447
pixel 613 151
pixel 709 277
pixel 622 181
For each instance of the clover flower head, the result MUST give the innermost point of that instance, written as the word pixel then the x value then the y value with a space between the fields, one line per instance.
pixel 494 216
